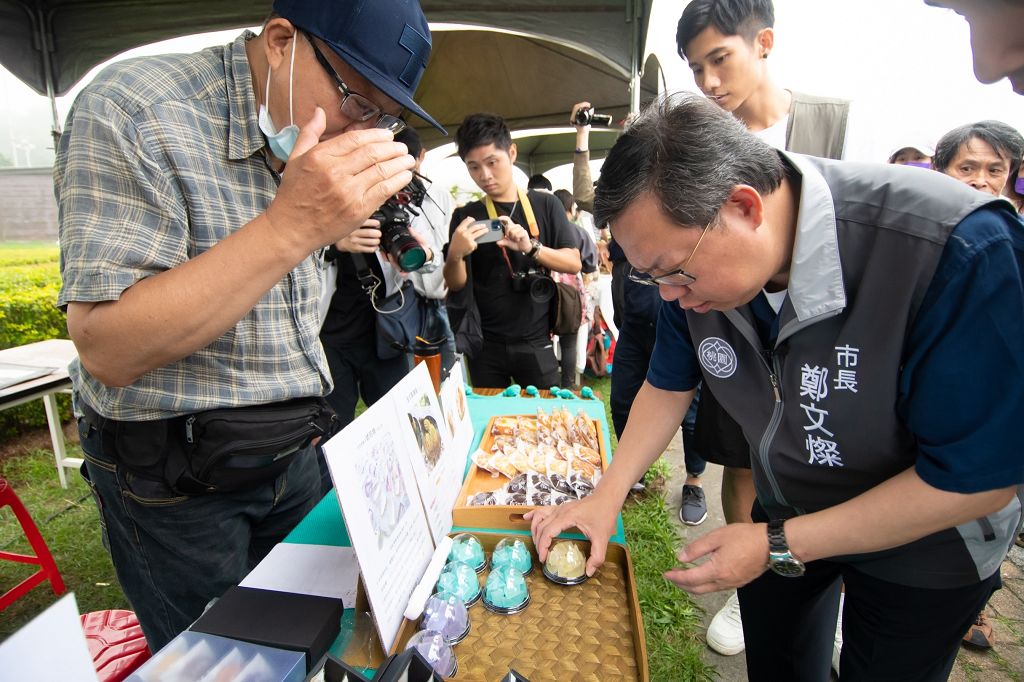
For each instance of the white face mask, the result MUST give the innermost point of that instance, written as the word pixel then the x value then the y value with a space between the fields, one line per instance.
pixel 281 142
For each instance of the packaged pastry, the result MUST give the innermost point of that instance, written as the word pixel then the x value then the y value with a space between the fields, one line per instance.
pixel 537 458
pixel 505 426
pixel 560 484
pixel 517 485
pixel 543 421
pixel 481 500
pixel 538 482
pixel 500 462
pixel 588 453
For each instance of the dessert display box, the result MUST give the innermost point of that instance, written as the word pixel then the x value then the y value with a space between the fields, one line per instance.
pixel 510 448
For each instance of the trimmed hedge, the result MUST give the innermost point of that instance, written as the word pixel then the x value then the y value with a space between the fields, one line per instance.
pixel 29 283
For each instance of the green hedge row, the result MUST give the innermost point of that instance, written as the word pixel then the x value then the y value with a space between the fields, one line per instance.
pixel 29 283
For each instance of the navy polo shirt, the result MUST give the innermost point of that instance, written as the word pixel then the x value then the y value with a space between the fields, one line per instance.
pixel 962 384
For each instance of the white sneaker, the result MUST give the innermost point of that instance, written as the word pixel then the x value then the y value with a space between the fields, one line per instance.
pixel 725 633
pixel 837 647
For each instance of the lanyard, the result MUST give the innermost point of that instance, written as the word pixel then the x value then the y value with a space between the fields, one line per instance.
pixel 524 201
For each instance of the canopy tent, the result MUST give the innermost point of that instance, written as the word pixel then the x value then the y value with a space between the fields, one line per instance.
pixel 532 82
pixel 51 44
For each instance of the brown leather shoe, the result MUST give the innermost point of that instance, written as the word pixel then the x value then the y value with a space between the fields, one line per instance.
pixel 980 634
pixel 1020 540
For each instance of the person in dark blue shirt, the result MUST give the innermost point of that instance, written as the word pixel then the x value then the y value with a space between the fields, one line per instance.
pixel 864 324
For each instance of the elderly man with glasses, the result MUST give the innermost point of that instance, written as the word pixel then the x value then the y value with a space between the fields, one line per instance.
pixel 863 325
pixel 196 196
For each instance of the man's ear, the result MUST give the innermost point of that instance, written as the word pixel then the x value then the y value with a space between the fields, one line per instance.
pixel 277 36
pixel 746 207
pixel 512 152
pixel 764 41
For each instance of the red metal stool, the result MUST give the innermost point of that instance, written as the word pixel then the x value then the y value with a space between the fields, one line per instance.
pixel 116 643
pixel 43 558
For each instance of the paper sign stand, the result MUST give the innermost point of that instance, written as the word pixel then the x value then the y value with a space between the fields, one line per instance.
pixel 397 470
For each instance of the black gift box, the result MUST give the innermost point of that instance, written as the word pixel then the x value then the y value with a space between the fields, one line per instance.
pixel 299 622
pixel 335 670
pixel 408 665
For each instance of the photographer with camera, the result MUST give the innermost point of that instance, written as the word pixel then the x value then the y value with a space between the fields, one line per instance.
pixel 500 294
pixel 193 211
pixel 366 276
pixel 431 224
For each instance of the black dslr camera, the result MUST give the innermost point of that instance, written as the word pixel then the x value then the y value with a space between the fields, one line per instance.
pixel 587 117
pixel 540 287
pixel 395 216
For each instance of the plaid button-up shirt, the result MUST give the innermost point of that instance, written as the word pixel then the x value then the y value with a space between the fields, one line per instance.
pixel 161 159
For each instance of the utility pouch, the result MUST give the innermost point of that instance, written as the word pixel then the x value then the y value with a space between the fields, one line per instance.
pixel 219 450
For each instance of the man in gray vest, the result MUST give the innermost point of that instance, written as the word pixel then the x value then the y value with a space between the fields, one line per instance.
pixel 726 44
pixel 864 325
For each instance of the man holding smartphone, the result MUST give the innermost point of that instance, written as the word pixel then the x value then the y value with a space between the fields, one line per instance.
pixel 503 281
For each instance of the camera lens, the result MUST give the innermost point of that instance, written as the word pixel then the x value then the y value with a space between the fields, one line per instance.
pixel 397 241
pixel 542 288
pixel 412 257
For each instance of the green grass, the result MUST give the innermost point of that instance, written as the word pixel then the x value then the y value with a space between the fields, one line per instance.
pixel 672 622
pixel 28 253
pixel 69 523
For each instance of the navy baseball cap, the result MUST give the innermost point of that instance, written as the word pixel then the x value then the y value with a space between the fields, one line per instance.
pixel 386 41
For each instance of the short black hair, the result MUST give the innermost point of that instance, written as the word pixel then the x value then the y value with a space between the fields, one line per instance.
pixel 478 130
pixel 411 139
pixel 565 196
pixel 1006 142
pixel 538 181
pixel 689 154
pixel 730 17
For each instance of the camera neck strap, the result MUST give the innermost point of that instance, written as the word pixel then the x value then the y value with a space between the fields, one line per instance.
pixel 524 201
pixel 531 220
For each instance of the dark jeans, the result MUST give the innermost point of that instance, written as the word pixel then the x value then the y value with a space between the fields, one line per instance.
pixel 358 372
pixel 890 631
pixel 448 356
pixel 632 356
pixel 567 349
pixel 528 363
pixel 175 553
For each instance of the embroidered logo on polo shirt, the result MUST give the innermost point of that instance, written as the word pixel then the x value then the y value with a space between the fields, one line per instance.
pixel 717 357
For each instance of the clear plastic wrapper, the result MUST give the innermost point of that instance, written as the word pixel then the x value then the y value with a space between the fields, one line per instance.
pixel 433 647
pixel 566 564
pixel 467 549
pixel 461 580
pixel 447 614
pixel 506 591
pixel 512 551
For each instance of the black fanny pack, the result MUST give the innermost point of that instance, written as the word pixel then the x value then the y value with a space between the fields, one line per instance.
pixel 220 450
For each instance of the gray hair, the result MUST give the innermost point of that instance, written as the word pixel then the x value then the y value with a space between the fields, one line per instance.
pixel 1006 142
pixel 689 154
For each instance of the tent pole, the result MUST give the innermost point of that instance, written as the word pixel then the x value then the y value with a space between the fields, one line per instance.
pixel 44 42
pixel 636 14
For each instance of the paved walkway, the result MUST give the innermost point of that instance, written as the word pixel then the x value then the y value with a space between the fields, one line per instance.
pixel 1006 609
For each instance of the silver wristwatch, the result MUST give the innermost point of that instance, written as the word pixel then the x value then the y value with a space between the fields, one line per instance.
pixel 780 559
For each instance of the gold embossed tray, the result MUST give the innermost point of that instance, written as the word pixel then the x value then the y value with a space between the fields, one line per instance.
pixel 591 632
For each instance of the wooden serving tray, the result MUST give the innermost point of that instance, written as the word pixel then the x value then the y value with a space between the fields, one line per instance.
pixel 480 480
pixel 590 632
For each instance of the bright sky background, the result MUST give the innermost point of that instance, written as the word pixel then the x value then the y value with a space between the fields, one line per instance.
pixel 907 67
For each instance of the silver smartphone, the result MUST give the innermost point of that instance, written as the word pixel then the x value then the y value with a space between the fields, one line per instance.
pixel 495 231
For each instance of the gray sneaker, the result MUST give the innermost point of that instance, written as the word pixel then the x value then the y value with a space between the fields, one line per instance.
pixel 694 509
